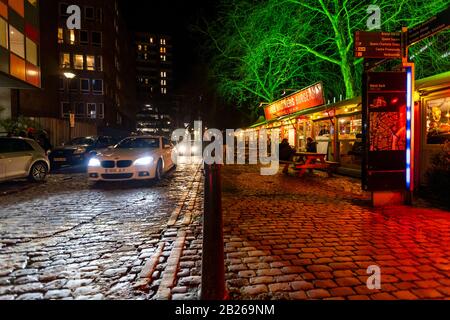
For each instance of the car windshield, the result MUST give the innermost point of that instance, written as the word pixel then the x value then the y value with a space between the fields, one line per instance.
pixel 139 143
pixel 82 142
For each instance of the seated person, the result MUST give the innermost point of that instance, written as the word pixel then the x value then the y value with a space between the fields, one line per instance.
pixel 311 145
pixel 286 151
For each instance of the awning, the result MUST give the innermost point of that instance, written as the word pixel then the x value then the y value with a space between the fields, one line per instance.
pixel 431 84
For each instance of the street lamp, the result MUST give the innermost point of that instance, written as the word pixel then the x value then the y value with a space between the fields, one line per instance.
pixel 69 76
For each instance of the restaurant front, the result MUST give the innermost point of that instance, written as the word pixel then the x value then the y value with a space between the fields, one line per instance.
pixel 338 128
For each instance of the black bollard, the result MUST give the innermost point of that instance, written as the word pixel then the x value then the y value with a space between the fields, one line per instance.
pixel 213 264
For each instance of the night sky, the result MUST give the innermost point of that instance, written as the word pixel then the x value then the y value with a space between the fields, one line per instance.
pixel 175 18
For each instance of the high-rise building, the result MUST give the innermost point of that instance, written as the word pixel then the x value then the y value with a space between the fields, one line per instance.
pixel 19 50
pixel 154 77
pixel 87 72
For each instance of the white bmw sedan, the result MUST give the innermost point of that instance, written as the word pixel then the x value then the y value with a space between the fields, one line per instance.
pixel 134 158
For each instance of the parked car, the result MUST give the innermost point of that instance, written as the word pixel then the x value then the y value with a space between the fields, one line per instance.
pixel 134 158
pixel 22 158
pixel 79 150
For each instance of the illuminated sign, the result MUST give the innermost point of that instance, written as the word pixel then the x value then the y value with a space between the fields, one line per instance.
pixel 388 131
pixel 304 99
pixel 382 45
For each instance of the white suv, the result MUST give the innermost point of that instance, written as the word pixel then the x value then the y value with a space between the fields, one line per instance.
pixel 22 158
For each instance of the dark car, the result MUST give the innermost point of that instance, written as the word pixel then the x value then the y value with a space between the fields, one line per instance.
pixel 79 150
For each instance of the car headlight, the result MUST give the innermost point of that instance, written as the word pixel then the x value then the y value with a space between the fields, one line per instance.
pixel 79 151
pixel 94 162
pixel 145 161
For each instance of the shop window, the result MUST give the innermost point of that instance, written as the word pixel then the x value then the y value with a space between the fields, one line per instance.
pixel 92 110
pixel 85 85
pixel 78 62
pixel 60 35
pixel 17 42
pixel 97 86
pixel 84 37
pixel 80 111
pixel 32 52
pixel 90 63
pixel 3 33
pixel 65 61
pixel 97 38
pixel 438 121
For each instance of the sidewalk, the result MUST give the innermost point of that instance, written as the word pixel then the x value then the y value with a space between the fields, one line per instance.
pixel 314 238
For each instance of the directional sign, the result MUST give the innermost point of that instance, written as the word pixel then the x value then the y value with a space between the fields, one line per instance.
pixel 438 23
pixel 379 45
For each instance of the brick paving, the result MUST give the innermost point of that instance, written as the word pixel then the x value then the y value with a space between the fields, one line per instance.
pixel 68 240
pixel 314 238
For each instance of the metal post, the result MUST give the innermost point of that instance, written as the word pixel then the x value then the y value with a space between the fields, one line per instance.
pixel 213 265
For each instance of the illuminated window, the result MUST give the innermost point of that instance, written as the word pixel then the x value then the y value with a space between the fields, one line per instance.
pixel 60 35
pixel 92 110
pixel 163 90
pixel 90 63
pixel 163 41
pixel 163 74
pixel 145 56
pixel 162 50
pixel 32 52
pixel 163 58
pixel 17 42
pixel 3 33
pixel 33 2
pixel 163 82
pixel 146 80
pixel 18 6
pixel 438 119
pixel 65 60
pixel 78 62
pixel 84 37
pixel 145 48
pixel 72 36
pixel 151 40
pixel 139 47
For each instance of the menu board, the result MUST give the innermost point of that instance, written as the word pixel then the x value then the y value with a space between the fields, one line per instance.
pixel 386 134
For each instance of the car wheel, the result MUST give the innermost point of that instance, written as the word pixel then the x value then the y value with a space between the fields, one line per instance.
pixel 159 171
pixel 38 172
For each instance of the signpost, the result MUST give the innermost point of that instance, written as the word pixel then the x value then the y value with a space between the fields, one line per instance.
pixel 438 23
pixel 378 45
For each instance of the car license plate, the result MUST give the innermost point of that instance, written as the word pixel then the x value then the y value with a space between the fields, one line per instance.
pixel 115 170
pixel 60 159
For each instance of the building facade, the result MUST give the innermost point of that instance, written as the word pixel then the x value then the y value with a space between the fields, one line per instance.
pixel 101 94
pixel 154 81
pixel 19 50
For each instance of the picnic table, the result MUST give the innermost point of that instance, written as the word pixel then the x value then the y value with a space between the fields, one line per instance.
pixel 307 161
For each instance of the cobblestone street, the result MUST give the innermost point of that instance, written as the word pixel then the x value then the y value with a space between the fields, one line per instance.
pixel 314 238
pixel 67 239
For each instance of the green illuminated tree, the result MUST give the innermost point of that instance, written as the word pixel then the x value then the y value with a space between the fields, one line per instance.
pixel 262 47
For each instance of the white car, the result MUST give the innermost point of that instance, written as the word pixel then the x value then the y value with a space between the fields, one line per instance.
pixel 22 158
pixel 134 158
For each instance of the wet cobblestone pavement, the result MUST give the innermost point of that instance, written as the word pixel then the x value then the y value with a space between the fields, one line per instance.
pixel 314 238
pixel 67 239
